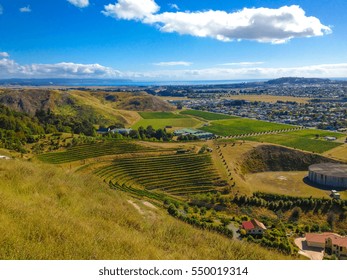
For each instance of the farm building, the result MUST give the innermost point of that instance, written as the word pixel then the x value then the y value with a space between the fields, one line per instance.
pixel 185 131
pixel 331 243
pixel 198 133
pixel 103 130
pixel 122 131
pixel 253 227
pixel 329 174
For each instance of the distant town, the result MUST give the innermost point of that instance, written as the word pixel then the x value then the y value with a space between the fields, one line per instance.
pixel 321 103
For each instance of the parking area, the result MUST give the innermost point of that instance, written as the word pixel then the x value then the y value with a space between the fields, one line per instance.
pixel 310 252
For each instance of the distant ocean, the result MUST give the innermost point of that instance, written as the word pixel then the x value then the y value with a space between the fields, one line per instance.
pixel 121 82
pixel 164 83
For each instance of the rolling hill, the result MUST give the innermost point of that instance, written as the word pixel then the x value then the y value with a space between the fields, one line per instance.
pixel 110 107
pixel 57 214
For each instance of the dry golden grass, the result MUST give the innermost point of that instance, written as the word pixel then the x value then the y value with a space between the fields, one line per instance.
pixel 234 155
pixel 286 183
pixel 49 213
pixel 339 153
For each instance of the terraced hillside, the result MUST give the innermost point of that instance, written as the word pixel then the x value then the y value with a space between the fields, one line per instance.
pixel 173 174
pixel 85 151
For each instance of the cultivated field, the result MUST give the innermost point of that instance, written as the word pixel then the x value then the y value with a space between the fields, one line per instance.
pixel 85 151
pixel 237 126
pixel 173 174
pixel 206 115
pixel 304 140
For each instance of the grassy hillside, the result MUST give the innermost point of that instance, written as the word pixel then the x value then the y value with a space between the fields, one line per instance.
pixel 109 107
pixel 174 174
pixel 54 214
pixel 97 149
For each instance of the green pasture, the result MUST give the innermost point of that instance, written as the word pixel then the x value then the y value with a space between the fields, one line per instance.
pixel 206 115
pixel 237 126
pixel 160 115
pixel 162 123
pixel 302 140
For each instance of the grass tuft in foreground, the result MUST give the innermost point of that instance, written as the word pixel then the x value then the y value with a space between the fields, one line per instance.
pixel 49 213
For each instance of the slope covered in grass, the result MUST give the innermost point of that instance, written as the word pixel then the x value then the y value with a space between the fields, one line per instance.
pixel 48 213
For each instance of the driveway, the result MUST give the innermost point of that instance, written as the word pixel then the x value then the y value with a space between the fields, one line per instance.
pixel 310 252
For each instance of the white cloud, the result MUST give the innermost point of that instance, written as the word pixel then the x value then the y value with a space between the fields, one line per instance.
pixel 242 63
pixel 259 24
pixel 79 3
pixel 11 69
pixel 174 6
pixel 131 9
pixel 4 54
pixel 173 63
pixel 1 10
pixel 25 9
pixel 222 73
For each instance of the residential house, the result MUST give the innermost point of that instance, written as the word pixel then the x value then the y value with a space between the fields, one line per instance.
pixel 253 227
pixel 331 243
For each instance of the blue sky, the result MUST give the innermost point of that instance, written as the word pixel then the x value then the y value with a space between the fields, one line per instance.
pixel 173 40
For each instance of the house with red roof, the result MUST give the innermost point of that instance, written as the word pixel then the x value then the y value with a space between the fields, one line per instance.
pixel 332 243
pixel 253 227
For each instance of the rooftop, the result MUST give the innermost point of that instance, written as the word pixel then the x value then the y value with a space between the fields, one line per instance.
pixel 330 169
pixel 321 237
pixel 248 225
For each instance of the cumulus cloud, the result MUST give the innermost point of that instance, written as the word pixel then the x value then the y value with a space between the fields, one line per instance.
pixel 11 69
pixel 25 9
pixel 79 3
pixel 173 63
pixel 4 54
pixel 259 24
pixel 131 9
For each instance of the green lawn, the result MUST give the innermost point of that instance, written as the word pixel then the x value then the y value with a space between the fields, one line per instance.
pixel 206 115
pixel 237 126
pixel 160 115
pixel 303 140
pixel 162 123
